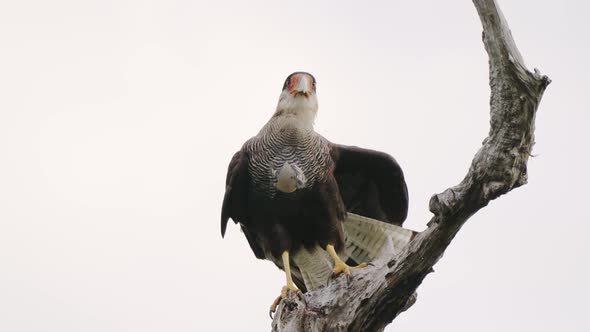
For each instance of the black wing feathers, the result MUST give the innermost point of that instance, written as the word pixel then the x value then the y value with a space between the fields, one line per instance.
pixel 371 183
pixel 235 200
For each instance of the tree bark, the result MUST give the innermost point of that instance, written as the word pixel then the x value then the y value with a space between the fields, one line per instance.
pixel 378 294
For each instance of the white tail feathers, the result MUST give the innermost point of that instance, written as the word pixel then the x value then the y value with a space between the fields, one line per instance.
pixel 366 240
pixel 366 237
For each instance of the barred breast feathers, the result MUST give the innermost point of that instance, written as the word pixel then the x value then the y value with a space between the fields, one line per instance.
pixel 286 140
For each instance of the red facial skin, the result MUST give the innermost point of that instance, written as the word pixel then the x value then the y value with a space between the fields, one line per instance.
pixel 294 83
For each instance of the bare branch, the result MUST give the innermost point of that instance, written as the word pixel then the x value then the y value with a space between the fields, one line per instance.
pixel 378 294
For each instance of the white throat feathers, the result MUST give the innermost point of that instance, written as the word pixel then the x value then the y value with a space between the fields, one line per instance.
pixel 304 108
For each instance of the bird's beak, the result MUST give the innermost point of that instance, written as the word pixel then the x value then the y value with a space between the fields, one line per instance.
pixel 300 85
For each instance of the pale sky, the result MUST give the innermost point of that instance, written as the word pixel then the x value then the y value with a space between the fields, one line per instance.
pixel 118 120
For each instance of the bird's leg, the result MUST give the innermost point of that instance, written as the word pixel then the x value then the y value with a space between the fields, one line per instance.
pixel 339 265
pixel 289 287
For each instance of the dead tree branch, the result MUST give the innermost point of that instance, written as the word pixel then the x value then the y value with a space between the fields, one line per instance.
pixel 378 294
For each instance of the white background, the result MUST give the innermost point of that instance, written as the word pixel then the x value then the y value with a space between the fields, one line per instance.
pixel 118 120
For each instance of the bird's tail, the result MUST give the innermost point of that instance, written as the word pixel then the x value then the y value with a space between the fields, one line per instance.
pixel 366 237
pixel 366 240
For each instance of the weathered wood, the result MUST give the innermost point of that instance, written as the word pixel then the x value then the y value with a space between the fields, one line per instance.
pixel 377 294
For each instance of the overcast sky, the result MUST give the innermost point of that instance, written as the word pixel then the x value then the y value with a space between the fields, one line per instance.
pixel 118 120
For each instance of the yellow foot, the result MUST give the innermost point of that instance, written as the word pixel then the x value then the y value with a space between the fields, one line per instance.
pixel 284 295
pixel 341 267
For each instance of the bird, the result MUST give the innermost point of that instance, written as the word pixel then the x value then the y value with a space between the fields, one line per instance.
pixel 302 201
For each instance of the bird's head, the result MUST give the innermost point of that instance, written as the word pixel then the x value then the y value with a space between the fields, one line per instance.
pixel 299 97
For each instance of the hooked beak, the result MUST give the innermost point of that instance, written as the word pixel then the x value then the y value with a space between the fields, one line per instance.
pixel 300 84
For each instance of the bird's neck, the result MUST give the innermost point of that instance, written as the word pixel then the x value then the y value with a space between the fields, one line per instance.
pixel 300 110
pixel 302 120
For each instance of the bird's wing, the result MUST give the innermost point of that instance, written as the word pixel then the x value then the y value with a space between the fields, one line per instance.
pixel 235 200
pixel 371 183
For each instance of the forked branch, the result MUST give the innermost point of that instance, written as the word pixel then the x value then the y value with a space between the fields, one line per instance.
pixel 379 294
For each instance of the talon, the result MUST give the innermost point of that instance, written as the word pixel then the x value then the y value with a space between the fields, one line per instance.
pixel 285 290
pixel 273 306
pixel 360 266
pixel 284 294
pixel 340 266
